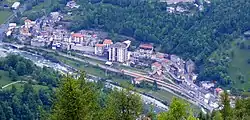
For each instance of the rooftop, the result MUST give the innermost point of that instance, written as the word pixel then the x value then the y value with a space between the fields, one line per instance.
pixel 165 61
pixel 99 45
pixel 119 45
pixel 77 35
pixel 107 42
pixel 146 46
pixel 28 20
pixel 156 64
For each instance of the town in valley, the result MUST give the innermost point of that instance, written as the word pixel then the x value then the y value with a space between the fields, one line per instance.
pixel 169 71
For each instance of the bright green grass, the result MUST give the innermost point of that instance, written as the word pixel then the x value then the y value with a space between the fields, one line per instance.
pixel 239 65
pixel 4 15
pixel 4 79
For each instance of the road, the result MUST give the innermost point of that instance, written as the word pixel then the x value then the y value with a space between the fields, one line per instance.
pixel 13 83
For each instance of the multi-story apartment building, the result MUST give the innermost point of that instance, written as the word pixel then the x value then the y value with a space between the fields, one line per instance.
pixel 118 52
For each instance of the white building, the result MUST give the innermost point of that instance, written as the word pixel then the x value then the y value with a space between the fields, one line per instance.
pixel 8 33
pixel 77 38
pixel 118 52
pixel 99 49
pixel 12 25
pixel 38 41
pixel 107 43
pixel 72 4
pixel 28 23
pixel 15 5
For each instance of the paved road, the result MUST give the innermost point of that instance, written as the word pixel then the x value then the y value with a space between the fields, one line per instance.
pixel 14 83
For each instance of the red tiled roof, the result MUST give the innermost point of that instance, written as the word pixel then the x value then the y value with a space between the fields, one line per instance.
pixel 77 35
pixel 146 46
pixel 218 89
pixel 27 20
pixel 99 45
pixel 107 42
pixel 156 64
pixel 165 60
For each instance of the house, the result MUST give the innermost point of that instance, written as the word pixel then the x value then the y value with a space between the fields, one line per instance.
pixel 174 58
pixel 207 84
pixel 28 23
pixel 166 64
pixel 137 80
pixel 25 31
pixel 99 49
pixel 60 35
pixel 118 52
pixel 107 43
pixel 171 9
pixel 146 49
pixel 55 16
pixel 15 5
pixel 158 56
pixel 77 38
pixel 72 4
pixel 156 66
pixel 190 66
pixel 12 26
pixel 56 45
pixel 8 33
pixel 39 41
pixel 218 91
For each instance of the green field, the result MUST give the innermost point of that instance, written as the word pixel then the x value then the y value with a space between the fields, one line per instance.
pixel 4 15
pixel 4 78
pixel 239 69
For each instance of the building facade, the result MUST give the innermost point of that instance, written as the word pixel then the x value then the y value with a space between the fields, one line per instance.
pixel 118 52
pixel 99 49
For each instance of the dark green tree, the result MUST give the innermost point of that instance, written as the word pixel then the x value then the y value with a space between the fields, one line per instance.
pixel 123 105
pixel 76 99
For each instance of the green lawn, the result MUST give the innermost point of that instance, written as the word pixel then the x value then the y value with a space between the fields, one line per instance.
pixel 4 15
pixel 4 79
pixel 239 69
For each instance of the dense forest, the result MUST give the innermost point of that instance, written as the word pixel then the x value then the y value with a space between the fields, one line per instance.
pixel 26 102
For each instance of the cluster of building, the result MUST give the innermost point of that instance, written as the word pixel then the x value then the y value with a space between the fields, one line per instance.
pixel 45 32
pixel 72 4
pixel 115 52
pixel 165 63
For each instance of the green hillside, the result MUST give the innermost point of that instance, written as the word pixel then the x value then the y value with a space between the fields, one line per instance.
pixel 239 68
